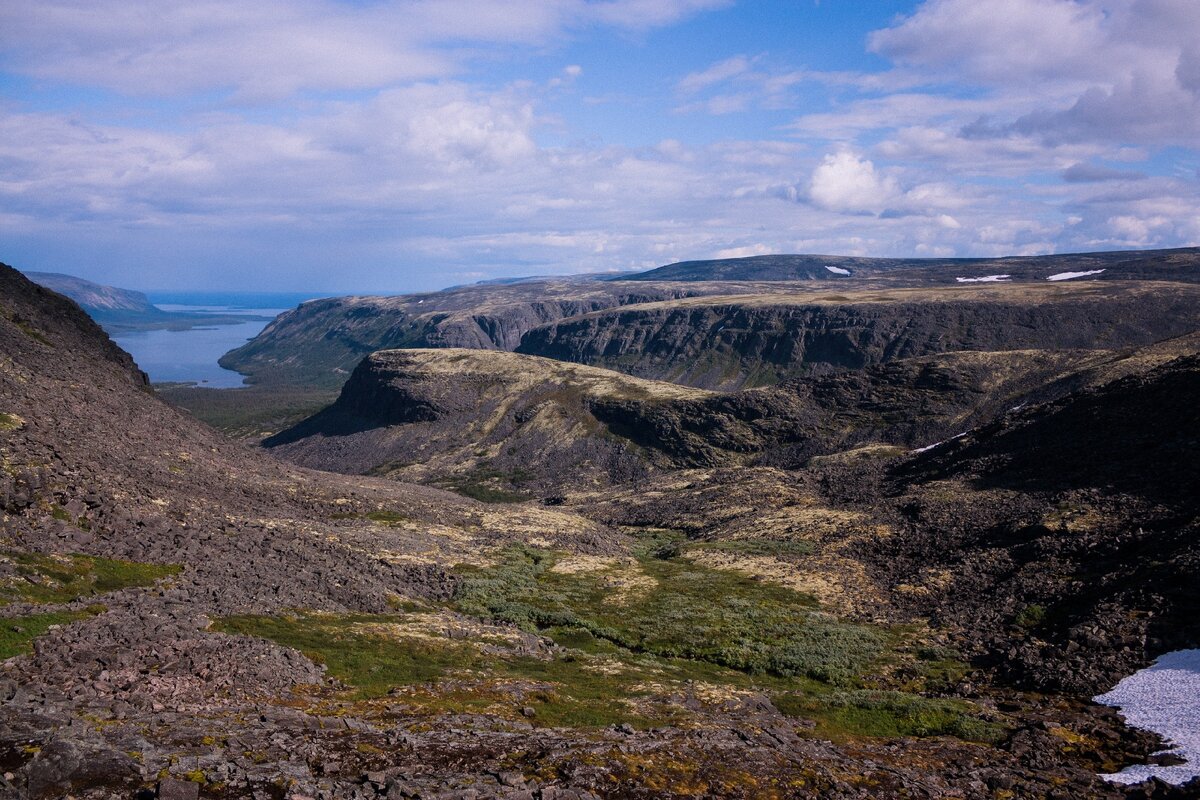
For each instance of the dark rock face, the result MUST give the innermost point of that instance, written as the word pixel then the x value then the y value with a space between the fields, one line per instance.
pixel 747 343
pixel 527 422
pixel 1084 510
pixel 321 342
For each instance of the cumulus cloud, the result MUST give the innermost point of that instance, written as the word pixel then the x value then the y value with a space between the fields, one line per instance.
pixel 845 182
pixel 379 126
pixel 1101 70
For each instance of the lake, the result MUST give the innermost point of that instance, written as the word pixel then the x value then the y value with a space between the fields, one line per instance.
pixel 191 355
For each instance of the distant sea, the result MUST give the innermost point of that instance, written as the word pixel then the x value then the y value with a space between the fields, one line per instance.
pixel 190 356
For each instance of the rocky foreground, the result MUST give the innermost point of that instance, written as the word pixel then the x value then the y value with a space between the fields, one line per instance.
pixel 185 617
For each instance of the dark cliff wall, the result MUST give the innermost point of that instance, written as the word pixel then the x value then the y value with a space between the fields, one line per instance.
pixel 322 341
pixel 727 346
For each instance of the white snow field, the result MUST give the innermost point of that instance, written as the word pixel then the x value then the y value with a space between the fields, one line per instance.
pixel 1164 698
pixel 985 279
pixel 837 270
pixel 1066 276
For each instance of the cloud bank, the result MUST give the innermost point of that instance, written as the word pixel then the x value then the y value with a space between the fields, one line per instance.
pixel 411 144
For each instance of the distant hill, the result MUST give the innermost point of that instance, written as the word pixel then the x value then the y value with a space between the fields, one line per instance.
pixel 97 299
pixel 118 310
pixel 1180 264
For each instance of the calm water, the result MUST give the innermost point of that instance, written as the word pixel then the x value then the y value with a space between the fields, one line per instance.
pixel 192 355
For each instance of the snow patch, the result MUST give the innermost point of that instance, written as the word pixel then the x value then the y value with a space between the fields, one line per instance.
pixel 1164 698
pixel 837 270
pixel 935 444
pixel 984 279
pixel 1066 276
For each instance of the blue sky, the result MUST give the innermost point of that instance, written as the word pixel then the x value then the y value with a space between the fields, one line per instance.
pixel 318 145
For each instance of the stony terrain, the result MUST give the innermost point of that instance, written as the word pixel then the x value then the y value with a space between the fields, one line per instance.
pixel 183 615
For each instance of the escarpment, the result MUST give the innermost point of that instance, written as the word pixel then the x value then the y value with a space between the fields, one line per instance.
pixel 320 342
pixel 479 420
pixel 728 343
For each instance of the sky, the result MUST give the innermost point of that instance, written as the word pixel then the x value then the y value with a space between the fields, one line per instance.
pixel 408 145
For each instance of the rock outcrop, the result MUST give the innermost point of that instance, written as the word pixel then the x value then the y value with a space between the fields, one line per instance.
pixel 731 342
pixel 477 419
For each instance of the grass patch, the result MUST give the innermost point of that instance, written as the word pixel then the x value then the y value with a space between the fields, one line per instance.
pixel 453 676
pixel 391 518
pixel 890 714
pixel 686 629
pixel 487 485
pixel 691 611
pixel 756 547
pixel 1031 616
pixel 41 578
pixel 33 333
pixel 249 413
pixel 17 633
pixel 9 422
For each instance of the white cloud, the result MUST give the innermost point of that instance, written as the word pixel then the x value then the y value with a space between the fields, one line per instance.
pixel 1112 71
pixel 270 49
pixel 717 73
pixel 848 183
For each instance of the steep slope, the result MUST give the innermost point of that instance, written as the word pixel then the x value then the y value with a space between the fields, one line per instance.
pixel 480 421
pixel 1064 536
pixel 497 424
pixel 320 342
pixel 96 298
pixel 749 340
pixel 91 463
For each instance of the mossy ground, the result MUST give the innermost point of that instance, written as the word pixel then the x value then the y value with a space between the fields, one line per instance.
pixel 630 660
pixel 60 579
pixel 252 412
pixel 17 633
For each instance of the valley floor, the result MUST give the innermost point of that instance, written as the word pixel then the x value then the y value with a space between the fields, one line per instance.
pixel 181 613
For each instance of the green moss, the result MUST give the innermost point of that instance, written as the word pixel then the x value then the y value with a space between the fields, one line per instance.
pixel 756 547
pixel 692 611
pixel 1031 616
pixel 890 714
pixel 565 691
pixel 387 517
pixel 17 633
pixel 33 333
pixel 484 486
pixel 61 579
pixel 9 422
pixel 371 663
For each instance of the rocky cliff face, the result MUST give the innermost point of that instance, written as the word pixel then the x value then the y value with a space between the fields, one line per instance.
pixel 480 421
pixel 1072 525
pixel 320 342
pixel 491 420
pixel 727 343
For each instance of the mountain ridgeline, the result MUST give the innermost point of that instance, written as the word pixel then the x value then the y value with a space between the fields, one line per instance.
pixel 725 335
